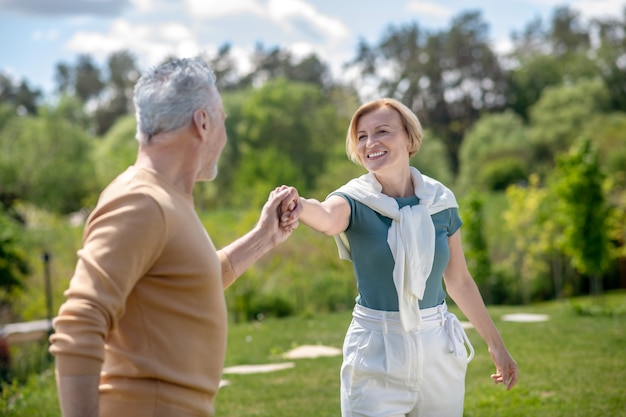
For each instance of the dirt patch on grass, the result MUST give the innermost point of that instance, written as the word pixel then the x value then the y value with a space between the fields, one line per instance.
pixel 312 351
pixel 258 369
pixel 525 317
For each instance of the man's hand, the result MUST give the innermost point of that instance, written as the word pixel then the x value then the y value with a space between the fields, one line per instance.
pixel 279 217
pixel 289 209
pixel 269 231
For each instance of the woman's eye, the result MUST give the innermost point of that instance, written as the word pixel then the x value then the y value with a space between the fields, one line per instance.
pixel 362 137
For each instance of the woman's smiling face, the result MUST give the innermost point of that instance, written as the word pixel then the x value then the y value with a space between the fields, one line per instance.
pixel 382 140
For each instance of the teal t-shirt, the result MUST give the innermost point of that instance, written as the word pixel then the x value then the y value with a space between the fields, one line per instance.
pixel 373 261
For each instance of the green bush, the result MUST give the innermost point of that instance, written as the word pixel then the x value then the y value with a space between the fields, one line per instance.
pixel 501 173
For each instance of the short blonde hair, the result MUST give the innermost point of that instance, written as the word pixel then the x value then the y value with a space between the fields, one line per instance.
pixel 410 122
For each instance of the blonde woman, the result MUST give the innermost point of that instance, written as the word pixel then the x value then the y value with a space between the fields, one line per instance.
pixel 404 353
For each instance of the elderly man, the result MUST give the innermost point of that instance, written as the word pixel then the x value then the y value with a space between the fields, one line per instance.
pixel 143 329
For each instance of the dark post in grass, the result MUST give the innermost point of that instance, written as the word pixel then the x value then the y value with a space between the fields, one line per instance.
pixel 45 257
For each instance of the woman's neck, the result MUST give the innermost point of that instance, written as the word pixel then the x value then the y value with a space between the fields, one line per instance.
pixel 397 186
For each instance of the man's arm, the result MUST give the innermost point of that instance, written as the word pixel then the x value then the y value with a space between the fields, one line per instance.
pixel 78 395
pixel 269 232
pixel 97 293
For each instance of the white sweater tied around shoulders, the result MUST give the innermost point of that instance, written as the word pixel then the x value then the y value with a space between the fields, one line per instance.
pixel 411 236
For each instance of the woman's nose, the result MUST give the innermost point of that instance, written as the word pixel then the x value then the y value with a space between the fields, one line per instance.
pixel 371 141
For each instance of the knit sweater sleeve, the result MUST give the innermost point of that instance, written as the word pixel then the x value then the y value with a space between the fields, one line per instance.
pixel 122 239
pixel 228 275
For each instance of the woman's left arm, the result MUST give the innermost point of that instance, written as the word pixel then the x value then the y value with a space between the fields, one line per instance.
pixel 463 290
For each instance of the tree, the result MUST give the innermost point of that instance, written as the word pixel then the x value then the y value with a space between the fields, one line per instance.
pixel 88 82
pixel 568 34
pixel 537 238
pixel 618 232
pixel 607 130
pixel 527 82
pixel 116 151
pixel 277 62
pixel 561 114
pixel 45 161
pixel 225 67
pixel 563 35
pixel 117 100
pixel 6 113
pixel 20 96
pixel 71 109
pixel 495 153
pixel 288 120
pixel 432 158
pixel 610 55
pixel 63 77
pixel 14 266
pixel 583 211
pixel 477 251
pixel 567 50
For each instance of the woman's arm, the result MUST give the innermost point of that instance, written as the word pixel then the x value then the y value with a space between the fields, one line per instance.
pixel 330 217
pixel 463 290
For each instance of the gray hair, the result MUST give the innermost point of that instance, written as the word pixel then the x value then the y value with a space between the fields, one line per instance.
pixel 167 96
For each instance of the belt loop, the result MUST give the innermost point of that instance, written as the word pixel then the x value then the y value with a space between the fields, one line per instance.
pixel 442 313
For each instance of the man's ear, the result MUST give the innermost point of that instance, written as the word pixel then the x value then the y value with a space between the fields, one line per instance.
pixel 201 121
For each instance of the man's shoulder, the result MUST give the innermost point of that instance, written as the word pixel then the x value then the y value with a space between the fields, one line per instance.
pixel 136 182
pixel 136 190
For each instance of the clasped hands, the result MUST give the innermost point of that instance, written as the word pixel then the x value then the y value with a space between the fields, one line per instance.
pixel 289 209
pixel 280 214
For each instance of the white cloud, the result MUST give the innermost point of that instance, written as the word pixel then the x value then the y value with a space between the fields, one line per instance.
pixel 600 8
pixel 587 8
pixel 429 9
pixel 242 59
pixel 143 5
pixel 284 11
pixel 209 9
pixel 150 44
pixel 302 49
pixel 548 4
pixel 175 32
pixel 288 14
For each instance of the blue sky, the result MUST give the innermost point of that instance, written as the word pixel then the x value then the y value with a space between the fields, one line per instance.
pixel 35 35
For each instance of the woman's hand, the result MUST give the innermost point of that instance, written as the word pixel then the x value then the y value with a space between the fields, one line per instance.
pixel 289 209
pixel 506 368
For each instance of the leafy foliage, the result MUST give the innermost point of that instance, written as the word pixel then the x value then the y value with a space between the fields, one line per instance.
pixel 562 113
pixel 535 256
pixel 495 153
pixel 583 211
pixel 45 161
pixel 475 244
pixel 280 134
pixel 20 97
pixel 116 151
pixel 14 267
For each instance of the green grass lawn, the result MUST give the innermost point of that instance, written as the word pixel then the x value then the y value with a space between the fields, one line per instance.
pixel 571 365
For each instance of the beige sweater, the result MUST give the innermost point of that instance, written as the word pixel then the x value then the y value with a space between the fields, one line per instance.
pixel 145 308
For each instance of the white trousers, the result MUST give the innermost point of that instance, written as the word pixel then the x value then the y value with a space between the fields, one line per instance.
pixel 387 372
